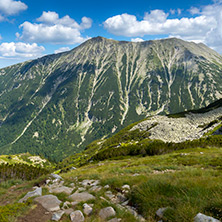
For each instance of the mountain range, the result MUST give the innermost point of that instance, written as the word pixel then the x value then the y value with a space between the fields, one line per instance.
pixel 56 105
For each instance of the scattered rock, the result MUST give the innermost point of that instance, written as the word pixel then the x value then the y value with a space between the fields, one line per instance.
pixel 126 187
pixel 66 205
pixel 78 197
pixel 74 203
pixel 132 210
pixel 115 220
pixel 160 212
pixel 49 202
pixel 56 176
pixel 109 194
pixel 62 189
pixel 36 192
pixel 57 215
pixel 73 168
pixel 125 203
pixel 135 174
pixel 203 218
pixel 120 198
pixel 86 183
pixel 106 186
pixel 77 216
pixel 80 189
pixel 68 211
pixel 87 209
pixel 72 185
pixel 95 188
pixel 107 212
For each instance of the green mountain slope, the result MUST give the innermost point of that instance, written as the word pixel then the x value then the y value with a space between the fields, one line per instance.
pixel 58 104
pixel 157 135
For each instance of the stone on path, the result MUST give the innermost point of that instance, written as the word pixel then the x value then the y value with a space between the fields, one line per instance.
pixel 79 197
pixel 77 216
pixel 36 192
pixel 95 188
pixel 62 189
pixel 68 211
pixel 115 220
pixel 203 218
pixel 107 212
pixel 57 215
pixel 87 209
pixel 49 202
pixel 160 212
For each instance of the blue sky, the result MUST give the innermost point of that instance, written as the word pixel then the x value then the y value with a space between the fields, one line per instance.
pixel 31 29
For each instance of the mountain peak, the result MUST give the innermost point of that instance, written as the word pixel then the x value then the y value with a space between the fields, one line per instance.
pixel 98 88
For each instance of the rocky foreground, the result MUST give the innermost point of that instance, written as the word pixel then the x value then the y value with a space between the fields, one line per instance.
pixel 80 192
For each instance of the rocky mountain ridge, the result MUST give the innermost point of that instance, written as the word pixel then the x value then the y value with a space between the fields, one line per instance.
pixel 58 104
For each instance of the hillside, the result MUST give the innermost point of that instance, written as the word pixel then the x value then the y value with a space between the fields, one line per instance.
pixel 56 105
pixel 129 177
pixel 157 135
pixel 181 184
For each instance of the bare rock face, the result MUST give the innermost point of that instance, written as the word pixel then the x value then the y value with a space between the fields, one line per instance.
pixel 77 216
pixel 107 212
pixel 49 202
pixel 79 197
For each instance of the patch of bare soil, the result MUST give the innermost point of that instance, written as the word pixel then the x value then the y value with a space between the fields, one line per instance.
pixel 36 214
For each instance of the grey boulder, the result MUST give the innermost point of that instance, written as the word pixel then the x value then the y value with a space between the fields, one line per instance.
pixel 49 202
pixel 36 192
pixel 107 212
pixel 203 218
pixel 56 216
pixel 79 197
pixel 77 216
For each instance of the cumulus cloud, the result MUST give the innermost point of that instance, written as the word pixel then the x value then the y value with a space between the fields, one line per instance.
pixel 53 29
pixel 137 40
pixel 194 11
pixel 62 49
pixel 10 7
pixel 20 50
pixel 205 27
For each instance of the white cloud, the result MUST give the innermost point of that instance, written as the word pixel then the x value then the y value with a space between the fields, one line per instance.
pixel 137 40
pixel 205 27
pixel 20 50
pixel 53 29
pixel 10 7
pixel 1 18
pixel 194 11
pixel 62 49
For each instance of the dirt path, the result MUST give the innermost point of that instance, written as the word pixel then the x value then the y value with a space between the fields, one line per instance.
pixel 37 214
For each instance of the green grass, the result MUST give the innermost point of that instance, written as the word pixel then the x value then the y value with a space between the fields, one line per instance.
pixel 186 181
